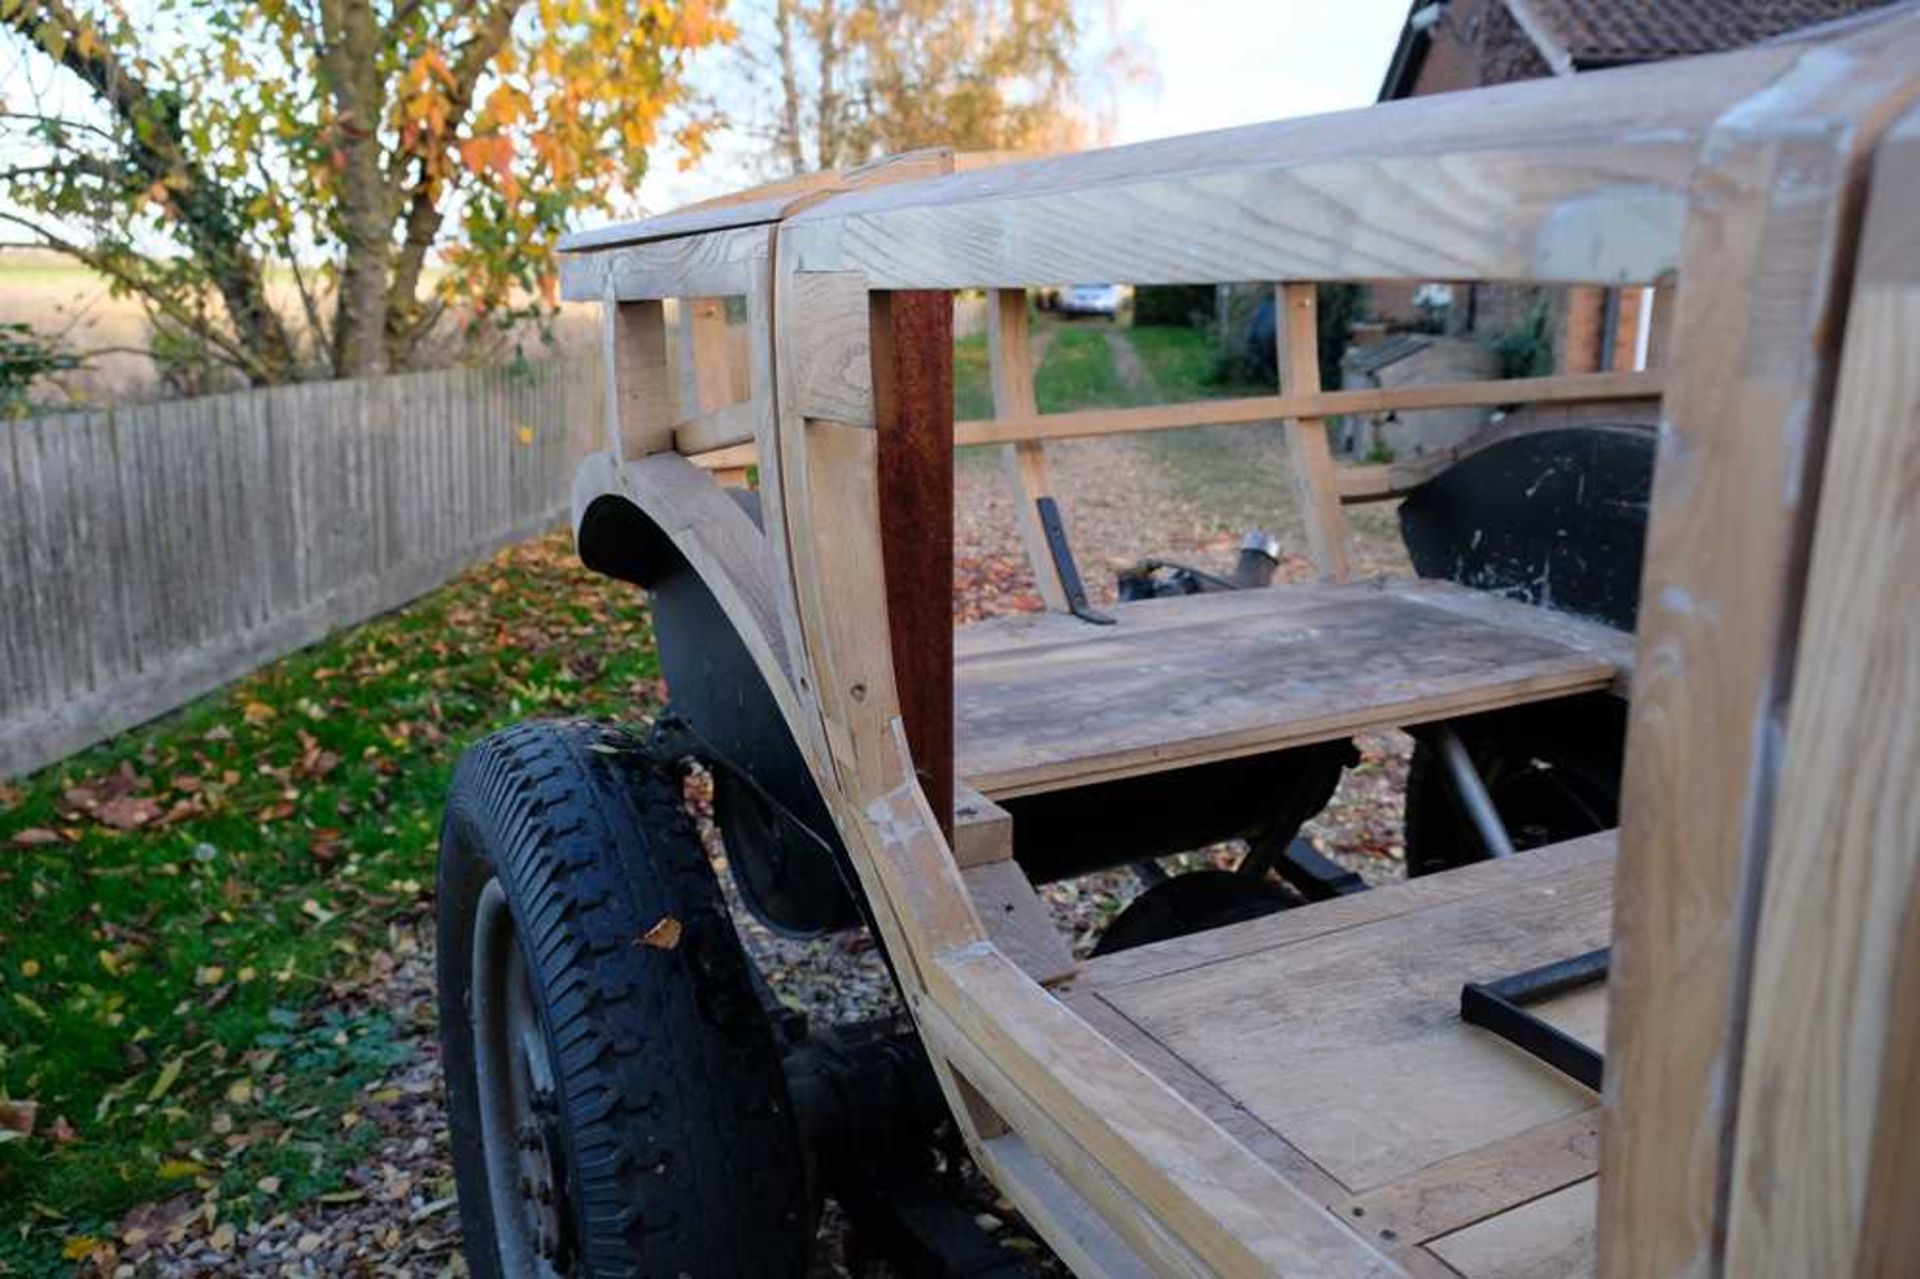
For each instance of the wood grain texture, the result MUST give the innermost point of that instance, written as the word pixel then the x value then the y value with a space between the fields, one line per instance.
pixel 913 409
pixel 1486 1180
pixel 1563 181
pixel 1310 459
pixel 829 360
pixel 1890 1229
pixel 702 266
pixel 719 430
pixel 1816 1098
pixel 1774 210
pixel 1220 945
pixel 1076 1233
pixel 155 552
pixel 1236 1215
pixel 710 348
pixel 1047 702
pixel 1773 214
pixel 1078 1171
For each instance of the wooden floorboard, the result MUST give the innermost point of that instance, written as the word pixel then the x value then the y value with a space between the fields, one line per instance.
pixel 1351 1046
pixel 1327 1040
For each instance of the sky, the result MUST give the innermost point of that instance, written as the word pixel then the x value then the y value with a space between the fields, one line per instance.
pixel 1216 63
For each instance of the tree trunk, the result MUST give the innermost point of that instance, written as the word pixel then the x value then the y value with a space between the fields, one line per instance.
pixel 351 57
pixel 827 125
pixel 789 90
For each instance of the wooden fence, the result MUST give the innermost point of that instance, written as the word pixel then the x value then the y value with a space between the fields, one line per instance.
pixel 150 554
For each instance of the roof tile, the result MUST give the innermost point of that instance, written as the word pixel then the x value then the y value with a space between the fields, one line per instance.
pixel 1601 31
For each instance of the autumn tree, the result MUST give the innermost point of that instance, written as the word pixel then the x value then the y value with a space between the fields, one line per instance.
pixel 848 81
pixel 311 187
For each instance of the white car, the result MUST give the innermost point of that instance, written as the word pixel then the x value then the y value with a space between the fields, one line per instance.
pixel 1092 299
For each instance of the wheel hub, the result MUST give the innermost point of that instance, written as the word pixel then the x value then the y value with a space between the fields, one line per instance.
pixel 519 1107
pixel 540 1184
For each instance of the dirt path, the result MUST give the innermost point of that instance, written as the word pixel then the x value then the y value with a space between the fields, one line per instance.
pixel 1126 362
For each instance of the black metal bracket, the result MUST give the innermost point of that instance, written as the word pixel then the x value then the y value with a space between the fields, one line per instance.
pixel 1498 1006
pixel 1076 591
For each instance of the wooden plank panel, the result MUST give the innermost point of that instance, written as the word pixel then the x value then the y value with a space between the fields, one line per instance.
pixel 1281 1032
pixel 1017 921
pixel 913 408
pixel 1220 945
pixel 74 571
pixel 18 685
pixel 1580 180
pixel 1234 1212
pixel 1207 1097
pixel 1210 677
pixel 1486 1180
pixel 1890 1229
pixel 1843 876
pixel 135 486
pixel 160 550
pixel 46 596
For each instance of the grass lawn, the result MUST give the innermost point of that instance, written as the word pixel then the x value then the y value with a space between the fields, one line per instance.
pixel 176 904
pixel 1184 363
pixel 1078 372
pixel 972 379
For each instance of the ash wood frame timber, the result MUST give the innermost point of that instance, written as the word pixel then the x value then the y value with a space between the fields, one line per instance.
pixel 1705 172
pixel 1830 1097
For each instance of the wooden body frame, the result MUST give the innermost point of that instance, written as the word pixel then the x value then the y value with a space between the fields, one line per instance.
pixel 1767 859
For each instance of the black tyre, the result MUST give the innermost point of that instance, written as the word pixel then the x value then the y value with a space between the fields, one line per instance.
pixel 1552 770
pixel 616 1096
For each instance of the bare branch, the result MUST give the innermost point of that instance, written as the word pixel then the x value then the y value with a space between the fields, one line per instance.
pixel 61 122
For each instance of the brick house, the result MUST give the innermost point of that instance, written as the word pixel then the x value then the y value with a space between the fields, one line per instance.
pixel 1461 44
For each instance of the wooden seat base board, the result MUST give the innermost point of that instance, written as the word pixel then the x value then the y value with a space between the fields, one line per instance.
pixel 1045 702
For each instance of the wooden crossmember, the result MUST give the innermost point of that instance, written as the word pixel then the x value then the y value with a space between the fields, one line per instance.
pixel 706 356
pixel 1567 388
